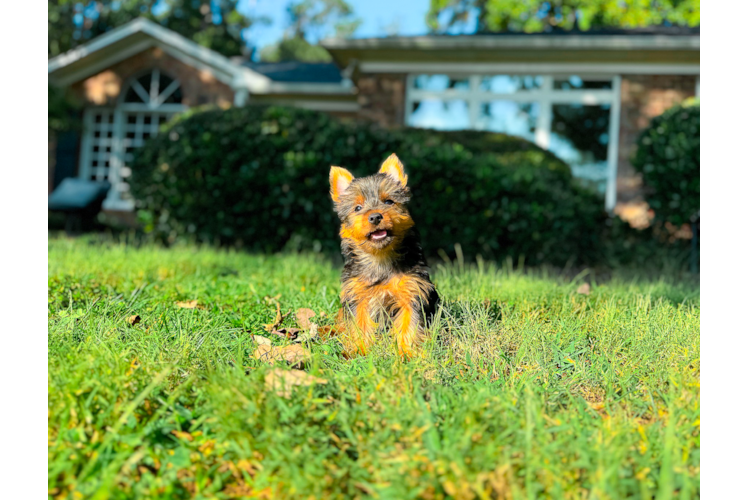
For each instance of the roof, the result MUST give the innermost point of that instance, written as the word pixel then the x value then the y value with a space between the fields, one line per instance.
pixel 138 35
pixel 294 71
pixel 141 34
pixel 652 50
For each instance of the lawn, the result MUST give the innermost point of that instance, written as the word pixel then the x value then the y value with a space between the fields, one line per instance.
pixel 526 389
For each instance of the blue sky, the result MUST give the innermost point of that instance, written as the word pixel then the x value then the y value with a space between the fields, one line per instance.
pixel 409 15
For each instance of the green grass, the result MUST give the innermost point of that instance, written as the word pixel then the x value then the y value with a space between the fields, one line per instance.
pixel 526 388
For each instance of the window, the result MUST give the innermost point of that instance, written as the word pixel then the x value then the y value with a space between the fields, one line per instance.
pixel 574 116
pixel 112 134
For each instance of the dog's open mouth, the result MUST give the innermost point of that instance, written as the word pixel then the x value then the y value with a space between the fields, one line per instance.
pixel 378 235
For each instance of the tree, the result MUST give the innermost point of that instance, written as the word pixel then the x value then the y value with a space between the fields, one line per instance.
pixel 543 15
pixel 310 21
pixel 216 24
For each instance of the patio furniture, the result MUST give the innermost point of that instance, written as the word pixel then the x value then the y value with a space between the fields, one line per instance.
pixel 80 200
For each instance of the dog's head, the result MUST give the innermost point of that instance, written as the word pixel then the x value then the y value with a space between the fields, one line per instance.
pixel 372 210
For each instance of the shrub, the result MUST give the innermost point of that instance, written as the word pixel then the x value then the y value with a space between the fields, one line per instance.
pixel 668 157
pixel 258 177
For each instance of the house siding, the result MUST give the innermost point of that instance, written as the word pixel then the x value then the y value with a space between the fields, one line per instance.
pixel 381 97
pixel 644 97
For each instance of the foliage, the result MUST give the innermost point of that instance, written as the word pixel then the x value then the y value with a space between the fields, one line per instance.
pixel 542 15
pixel 528 387
pixel 216 24
pixel 294 49
pixel 668 157
pixel 60 111
pixel 258 176
pixel 506 149
pixel 310 21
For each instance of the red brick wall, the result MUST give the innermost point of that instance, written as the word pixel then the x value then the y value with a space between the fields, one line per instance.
pixel 382 98
pixel 198 87
pixel 644 97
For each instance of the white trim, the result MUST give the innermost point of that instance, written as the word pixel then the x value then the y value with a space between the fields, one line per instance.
pixel 94 45
pixel 342 106
pixel 544 42
pixel 545 116
pixel 95 68
pixel 611 189
pixel 222 76
pixel 310 88
pixel 469 67
pixel 241 96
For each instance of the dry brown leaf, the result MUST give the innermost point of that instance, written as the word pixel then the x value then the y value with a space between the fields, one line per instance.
pixel 293 354
pixel 183 435
pixel 261 340
pixel 279 317
pixel 302 318
pixel 133 320
pixel 584 289
pixel 307 336
pixel 288 333
pixel 190 304
pixel 282 381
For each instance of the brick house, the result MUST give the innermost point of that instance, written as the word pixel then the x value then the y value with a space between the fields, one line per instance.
pixel 584 96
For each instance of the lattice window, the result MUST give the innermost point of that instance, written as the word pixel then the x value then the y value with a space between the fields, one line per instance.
pixel 111 135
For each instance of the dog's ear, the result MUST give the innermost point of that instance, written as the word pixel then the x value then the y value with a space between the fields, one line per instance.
pixel 394 168
pixel 340 179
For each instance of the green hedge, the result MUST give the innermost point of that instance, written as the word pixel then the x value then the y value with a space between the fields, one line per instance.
pixel 668 156
pixel 258 177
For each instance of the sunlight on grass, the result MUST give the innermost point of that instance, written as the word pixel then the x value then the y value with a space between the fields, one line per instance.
pixel 526 389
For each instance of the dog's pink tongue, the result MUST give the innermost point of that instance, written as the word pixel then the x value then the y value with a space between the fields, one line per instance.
pixel 378 235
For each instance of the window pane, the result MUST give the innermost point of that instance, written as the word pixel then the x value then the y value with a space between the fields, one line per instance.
pixel 580 136
pixel 577 83
pixel 508 84
pixel 440 82
pixel 440 114
pixel 509 117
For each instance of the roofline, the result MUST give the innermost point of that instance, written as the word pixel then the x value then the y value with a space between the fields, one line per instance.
pixel 525 41
pixel 242 77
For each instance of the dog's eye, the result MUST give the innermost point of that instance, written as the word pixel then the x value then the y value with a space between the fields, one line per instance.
pixel 389 202
pixel 358 208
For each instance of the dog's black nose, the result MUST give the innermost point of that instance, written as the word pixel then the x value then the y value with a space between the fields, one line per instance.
pixel 375 218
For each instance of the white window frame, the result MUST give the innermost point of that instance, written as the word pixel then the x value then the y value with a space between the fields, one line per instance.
pixel 545 96
pixel 153 105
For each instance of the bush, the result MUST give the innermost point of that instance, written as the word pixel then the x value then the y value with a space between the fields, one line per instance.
pixel 258 177
pixel 668 157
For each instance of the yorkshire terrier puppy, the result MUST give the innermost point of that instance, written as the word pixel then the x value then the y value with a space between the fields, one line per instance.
pixel 385 281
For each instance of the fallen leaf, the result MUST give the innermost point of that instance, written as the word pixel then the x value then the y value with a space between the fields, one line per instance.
pixel 191 304
pixel 261 340
pixel 307 336
pixel 282 381
pixel 183 435
pixel 133 320
pixel 302 317
pixel 289 333
pixel 293 354
pixel 584 289
pixel 279 317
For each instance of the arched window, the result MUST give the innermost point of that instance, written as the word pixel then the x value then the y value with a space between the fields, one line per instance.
pixel 112 134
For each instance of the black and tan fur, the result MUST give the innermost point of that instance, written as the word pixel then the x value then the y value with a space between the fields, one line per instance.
pixel 385 281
